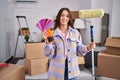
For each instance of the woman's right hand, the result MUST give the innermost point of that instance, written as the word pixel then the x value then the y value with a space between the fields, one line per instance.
pixel 48 35
pixel 90 46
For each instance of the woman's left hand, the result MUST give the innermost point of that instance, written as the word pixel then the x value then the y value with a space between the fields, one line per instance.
pixel 90 46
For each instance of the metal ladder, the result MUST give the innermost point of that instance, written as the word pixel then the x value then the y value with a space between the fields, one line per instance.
pixel 20 33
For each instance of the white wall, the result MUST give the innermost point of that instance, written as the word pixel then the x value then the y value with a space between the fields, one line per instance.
pixel 112 8
pixel 49 8
pixel 115 19
pixel 106 5
pixel 2 34
pixel 42 9
pixel 4 31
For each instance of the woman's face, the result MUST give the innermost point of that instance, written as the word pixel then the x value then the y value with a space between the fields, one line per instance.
pixel 64 18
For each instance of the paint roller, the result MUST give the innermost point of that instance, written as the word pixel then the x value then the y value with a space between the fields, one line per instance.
pixel 91 13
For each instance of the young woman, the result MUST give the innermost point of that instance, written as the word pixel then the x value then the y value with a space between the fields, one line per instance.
pixel 65 48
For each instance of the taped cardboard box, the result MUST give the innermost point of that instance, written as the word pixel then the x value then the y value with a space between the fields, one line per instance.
pixel 12 72
pixel 34 50
pixel 113 45
pixel 36 66
pixel 108 65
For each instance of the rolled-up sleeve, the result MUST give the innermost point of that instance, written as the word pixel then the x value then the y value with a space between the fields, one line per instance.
pixel 81 49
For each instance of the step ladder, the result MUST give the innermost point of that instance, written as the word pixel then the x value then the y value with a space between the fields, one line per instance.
pixel 24 34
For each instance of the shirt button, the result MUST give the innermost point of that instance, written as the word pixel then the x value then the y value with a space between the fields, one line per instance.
pixel 69 71
pixel 68 50
pixel 69 61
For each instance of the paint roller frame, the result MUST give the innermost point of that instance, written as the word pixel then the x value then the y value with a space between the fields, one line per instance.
pixel 91 13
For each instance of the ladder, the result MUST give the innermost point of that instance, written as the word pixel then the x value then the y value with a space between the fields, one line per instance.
pixel 21 33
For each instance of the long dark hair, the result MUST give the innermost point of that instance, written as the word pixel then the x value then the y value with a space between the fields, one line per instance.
pixel 57 21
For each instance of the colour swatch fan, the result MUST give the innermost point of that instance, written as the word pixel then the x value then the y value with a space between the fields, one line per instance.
pixel 44 25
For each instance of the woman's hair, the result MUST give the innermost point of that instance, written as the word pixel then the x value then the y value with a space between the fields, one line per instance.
pixel 57 21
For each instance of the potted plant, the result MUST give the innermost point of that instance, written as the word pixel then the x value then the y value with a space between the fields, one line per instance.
pixel 25 31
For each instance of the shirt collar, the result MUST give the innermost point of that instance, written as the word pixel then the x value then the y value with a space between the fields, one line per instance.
pixel 57 31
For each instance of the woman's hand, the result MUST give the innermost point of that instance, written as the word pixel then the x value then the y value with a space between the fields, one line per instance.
pixel 90 46
pixel 48 35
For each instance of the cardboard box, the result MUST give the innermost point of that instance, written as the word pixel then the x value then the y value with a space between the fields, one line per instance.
pixel 12 72
pixel 81 60
pixel 36 66
pixel 34 50
pixel 108 65
pixel 113 45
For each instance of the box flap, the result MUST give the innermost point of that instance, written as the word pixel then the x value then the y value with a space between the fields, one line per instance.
pixel 108 55
pixel 113 42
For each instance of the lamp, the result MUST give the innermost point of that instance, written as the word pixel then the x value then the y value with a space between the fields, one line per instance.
pixel 79 24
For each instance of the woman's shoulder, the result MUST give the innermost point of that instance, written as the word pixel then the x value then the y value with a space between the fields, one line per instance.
pixel 74 30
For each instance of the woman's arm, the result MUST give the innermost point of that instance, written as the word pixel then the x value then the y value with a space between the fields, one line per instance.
pixel 83 49
pixel 50 45
pixel 50 50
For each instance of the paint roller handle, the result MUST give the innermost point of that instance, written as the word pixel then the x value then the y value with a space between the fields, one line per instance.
pixel 91 33
pixel 92 40
pixel 92 44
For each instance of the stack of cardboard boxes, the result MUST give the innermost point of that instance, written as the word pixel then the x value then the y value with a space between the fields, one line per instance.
pixel 109 60
pixel 35 60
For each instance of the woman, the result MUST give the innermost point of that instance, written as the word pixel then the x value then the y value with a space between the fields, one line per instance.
pixel 63 51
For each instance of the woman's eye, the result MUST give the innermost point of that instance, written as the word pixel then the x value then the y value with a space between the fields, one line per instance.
pixel 68 16
pixel 62 15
